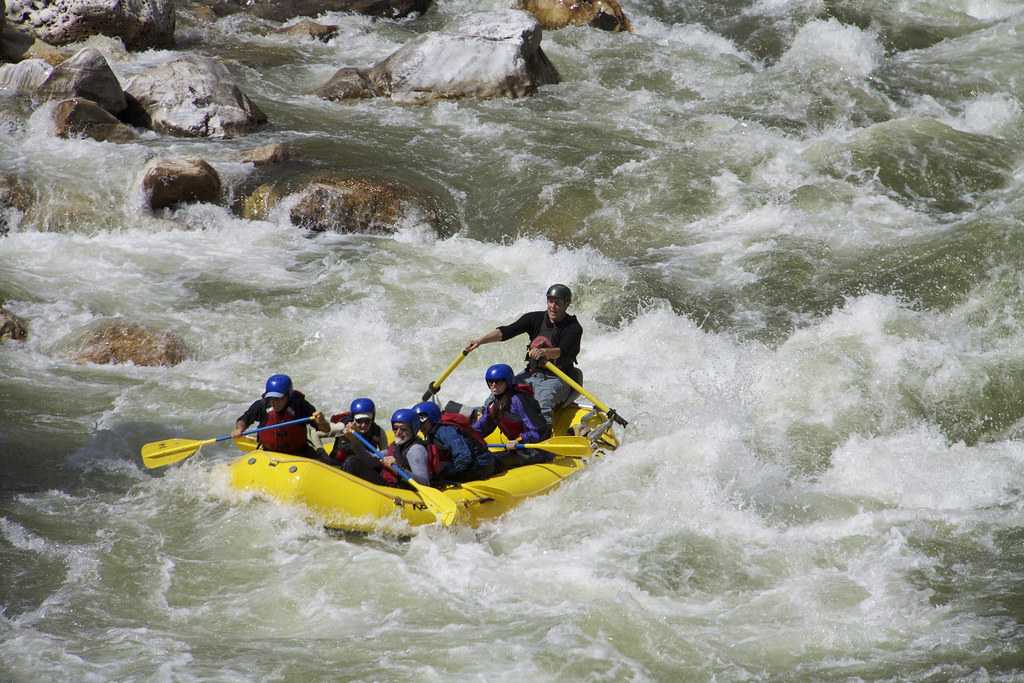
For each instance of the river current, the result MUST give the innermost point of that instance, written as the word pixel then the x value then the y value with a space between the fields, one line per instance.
pixel 794 233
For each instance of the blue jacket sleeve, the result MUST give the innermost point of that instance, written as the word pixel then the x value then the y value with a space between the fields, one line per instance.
pixel 531 431
pixel 484 425
pixel 449 439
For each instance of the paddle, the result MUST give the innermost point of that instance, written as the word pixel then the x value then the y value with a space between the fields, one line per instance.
pixel 169 451
pixel 570 446
pixel 610 412
pixel 442 506
pixel 435 386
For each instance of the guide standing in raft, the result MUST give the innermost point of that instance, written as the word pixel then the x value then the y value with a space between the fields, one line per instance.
pixel 554 336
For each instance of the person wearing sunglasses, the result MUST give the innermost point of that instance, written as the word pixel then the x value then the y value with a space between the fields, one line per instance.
pixel 512 409
pixel 554 336
pixel 349 452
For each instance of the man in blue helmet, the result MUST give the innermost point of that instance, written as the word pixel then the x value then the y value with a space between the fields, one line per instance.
pixel 280 403
pixel 457 452
pixel 349 452
pixel 554 336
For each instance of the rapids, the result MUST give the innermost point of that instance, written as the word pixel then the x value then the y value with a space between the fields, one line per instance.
pixel 794 233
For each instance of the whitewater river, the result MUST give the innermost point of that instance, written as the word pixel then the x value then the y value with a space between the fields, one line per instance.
pixel 794 231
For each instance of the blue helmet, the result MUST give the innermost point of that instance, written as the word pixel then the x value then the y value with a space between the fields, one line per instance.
pixel 430 410
pixel 278 386
pixel 407 417
pixel 501 372
pixel 362 406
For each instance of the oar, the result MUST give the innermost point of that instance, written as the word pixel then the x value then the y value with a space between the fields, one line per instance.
pixel 435 386
pixel 169 451
pixel 443 507
pixel 570 446
pixel 610 412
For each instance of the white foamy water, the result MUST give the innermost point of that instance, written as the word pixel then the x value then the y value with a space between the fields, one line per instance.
pixel 820 362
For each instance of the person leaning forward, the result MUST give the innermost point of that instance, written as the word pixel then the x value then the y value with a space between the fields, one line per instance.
pixel 554 336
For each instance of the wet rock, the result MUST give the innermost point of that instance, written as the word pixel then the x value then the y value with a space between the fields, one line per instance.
pixel 283 10
pixel 486 54
pixel 193 97
pixel 169 182
pixel 606 15
pixel 86 76
pixel 117 341
pixel 11 326
pixel 140 24
pixel 257 206
pixel 84 117
pixel 17 45
pixel 309 29
pixel 266 155
pixel 352 205
pixel 15 195
pixel 23 78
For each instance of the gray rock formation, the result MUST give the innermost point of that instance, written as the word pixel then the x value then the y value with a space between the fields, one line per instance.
pixel 140 24
pixel 486 54
pixel 193 97
pixel 87 76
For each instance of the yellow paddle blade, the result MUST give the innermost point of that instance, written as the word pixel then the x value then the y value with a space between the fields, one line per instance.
pixel 443 507
pixel 169 451
pixel 570 446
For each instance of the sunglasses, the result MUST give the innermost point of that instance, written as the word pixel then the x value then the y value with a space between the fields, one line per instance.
pixel 495 381
pixel 363 421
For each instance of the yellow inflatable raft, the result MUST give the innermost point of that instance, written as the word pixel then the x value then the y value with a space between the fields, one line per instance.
pixel 343 501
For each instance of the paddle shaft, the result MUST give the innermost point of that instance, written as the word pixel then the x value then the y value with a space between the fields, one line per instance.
pixel 444 508
pixel 263 429
pixel 405 475
pixel 435 386
pixel 154 455
pixel 593 399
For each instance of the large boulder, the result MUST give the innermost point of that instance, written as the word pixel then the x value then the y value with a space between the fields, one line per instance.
pixel 87 76
pixel 84 117
pixel 283 10
pixel 11 326
pixel 24 77
pixel 169 182
pixel 193 96
pixel 486 54
pixel 140 24
pixel 603 14
pixel 117 341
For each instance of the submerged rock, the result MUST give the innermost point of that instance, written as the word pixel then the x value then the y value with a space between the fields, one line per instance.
pixel 283 10
pixel 347 205
pixel 87 76
pixel 117 341
pixel 309 29
pixel 84 117
pixel 606 15
pixel 925 159
pixel 15 195
pixel 169 182
pixel 11 326
pixel 350 205
pixel 267 155
pixel 193 97
pixel 140 24
pixel 487 54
